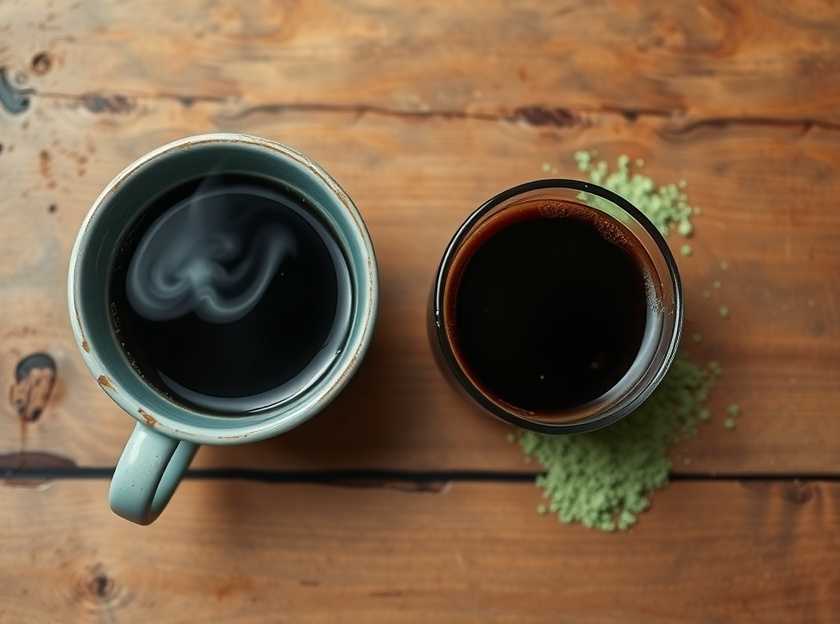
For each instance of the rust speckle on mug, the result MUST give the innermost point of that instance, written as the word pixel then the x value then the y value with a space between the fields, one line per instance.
pixel 85 344
pixel 150 420
pixel 104 382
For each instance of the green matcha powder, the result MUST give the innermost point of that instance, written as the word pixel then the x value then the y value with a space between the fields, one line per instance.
pixel 604 479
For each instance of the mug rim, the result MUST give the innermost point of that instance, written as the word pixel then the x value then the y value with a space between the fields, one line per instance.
pixel 444 347
pixel 238 429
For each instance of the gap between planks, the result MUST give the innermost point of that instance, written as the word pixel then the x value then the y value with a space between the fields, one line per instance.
pixel 421 480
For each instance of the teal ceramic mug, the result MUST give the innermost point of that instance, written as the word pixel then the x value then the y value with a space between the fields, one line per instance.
pixel 168 433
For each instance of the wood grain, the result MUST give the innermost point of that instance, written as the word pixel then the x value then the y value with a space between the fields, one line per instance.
pixel 537 61
pixel 242 552
pixel 423 110
pixel 767 182
pixel 766 194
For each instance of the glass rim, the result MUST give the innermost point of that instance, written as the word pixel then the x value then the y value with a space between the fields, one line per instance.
pixel 661 362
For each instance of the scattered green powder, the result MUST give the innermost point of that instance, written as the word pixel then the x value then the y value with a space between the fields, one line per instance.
pixel 686 250
pixel 724 312
pixel 583 159
pixel 707 294
pixel 734 410
pixel 666 206
pixel 697 337
pixel 724 265
pixel 604 479
pixel 546 167
pixel 716 284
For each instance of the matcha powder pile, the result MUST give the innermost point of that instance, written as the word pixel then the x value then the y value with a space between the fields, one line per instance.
pixel 604 479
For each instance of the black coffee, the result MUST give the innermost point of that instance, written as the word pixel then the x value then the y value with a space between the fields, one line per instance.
pixel 551 305
pixel 229 295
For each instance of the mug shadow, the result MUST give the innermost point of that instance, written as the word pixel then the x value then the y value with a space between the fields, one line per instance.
pixel 365 426
pixel 359 426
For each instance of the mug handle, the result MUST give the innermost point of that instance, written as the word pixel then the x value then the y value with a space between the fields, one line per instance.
pixel 149 470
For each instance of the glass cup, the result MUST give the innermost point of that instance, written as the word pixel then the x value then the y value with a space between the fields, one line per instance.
pixel 664 310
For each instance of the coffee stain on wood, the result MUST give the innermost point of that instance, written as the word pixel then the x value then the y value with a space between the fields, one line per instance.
pixel 35 377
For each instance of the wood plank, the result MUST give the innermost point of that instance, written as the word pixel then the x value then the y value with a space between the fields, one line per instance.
pixel 535 60
pixel 241 552
pixel 421 124
pixel 767 194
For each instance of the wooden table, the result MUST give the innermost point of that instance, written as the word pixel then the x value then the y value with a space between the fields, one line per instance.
pixel 402 503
